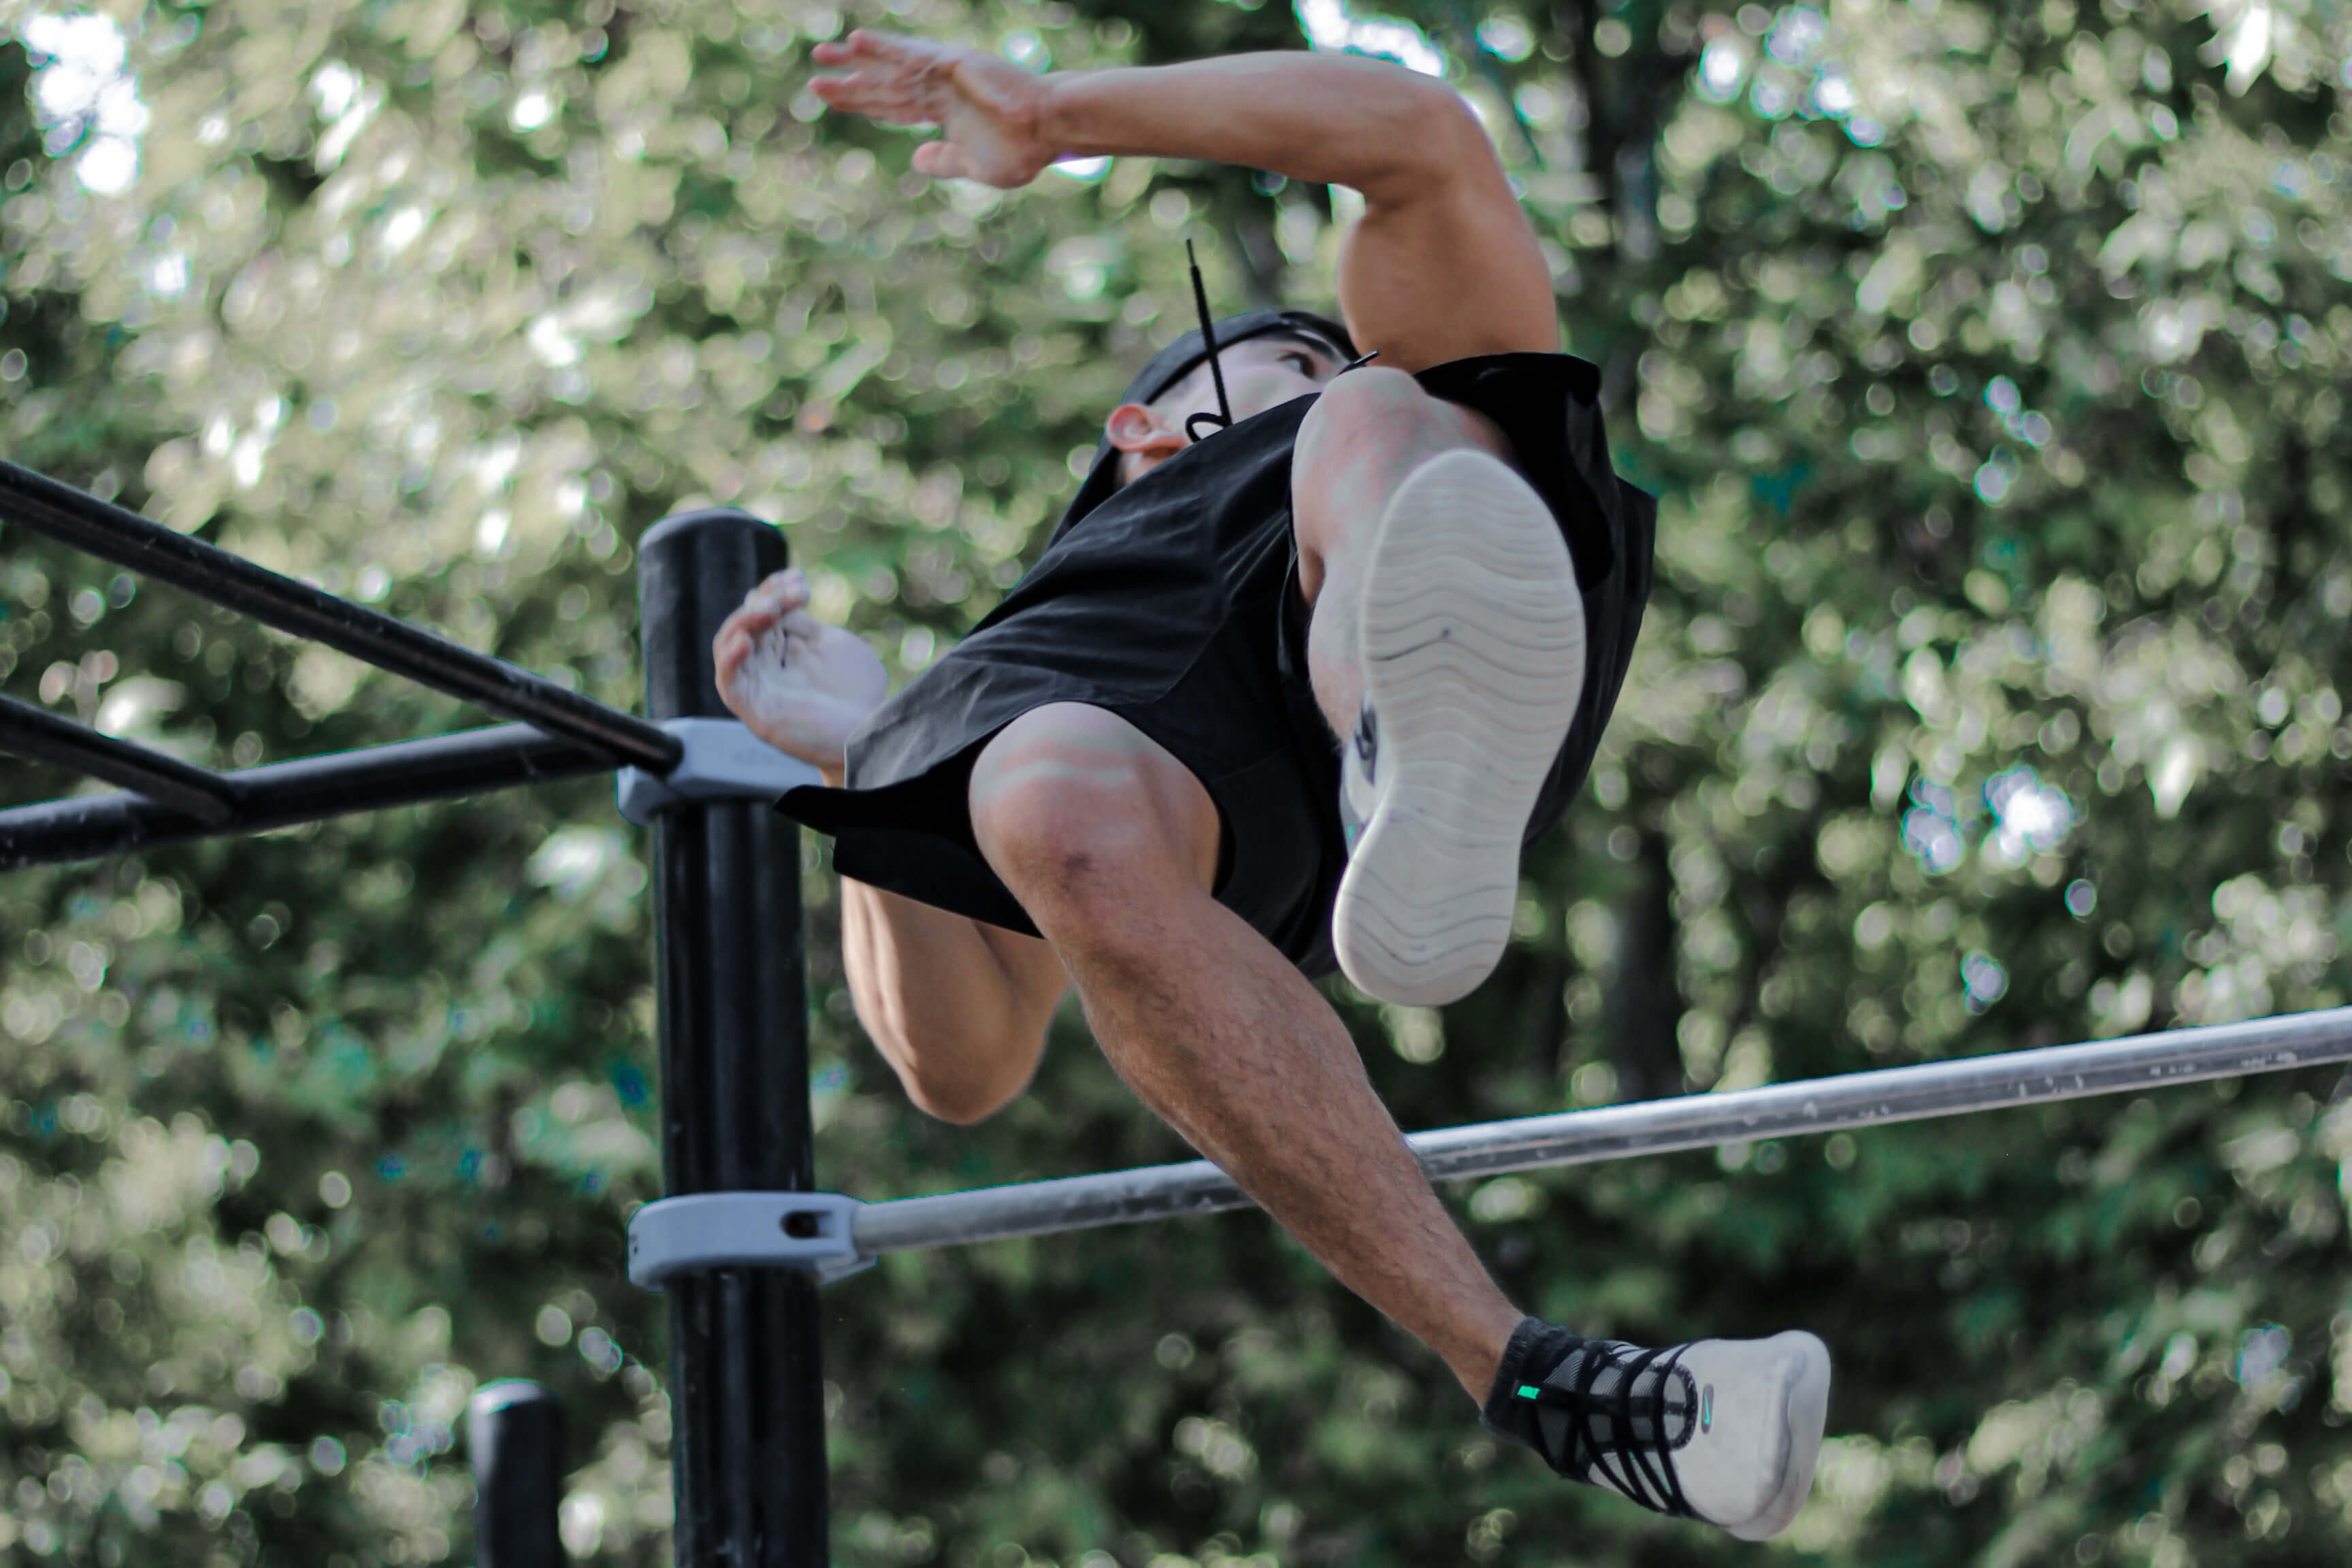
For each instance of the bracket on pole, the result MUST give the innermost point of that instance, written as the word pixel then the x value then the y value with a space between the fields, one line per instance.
pixel 723 761
pixel 813 1231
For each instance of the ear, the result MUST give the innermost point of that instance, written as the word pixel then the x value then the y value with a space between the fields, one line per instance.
pixel 1132 427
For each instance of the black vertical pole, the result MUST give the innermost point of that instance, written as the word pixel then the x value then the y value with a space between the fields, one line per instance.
pixel 515 1433
pixel 747 1392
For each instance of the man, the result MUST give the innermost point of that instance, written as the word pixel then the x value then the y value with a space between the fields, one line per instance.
pixel 1131 776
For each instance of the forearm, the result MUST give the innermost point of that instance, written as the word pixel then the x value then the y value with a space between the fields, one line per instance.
pixel 1334 119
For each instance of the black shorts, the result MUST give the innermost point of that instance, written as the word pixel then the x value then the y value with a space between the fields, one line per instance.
pixel 1175 605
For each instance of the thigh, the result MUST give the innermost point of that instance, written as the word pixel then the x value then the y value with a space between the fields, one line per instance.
pixel 1069 791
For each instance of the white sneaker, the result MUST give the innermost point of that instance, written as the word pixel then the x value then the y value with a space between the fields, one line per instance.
pixel 1473 648
pixel 1725 1431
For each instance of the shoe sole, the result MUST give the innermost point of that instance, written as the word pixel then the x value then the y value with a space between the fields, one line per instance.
pixel 1473 662
pixel 1805 1412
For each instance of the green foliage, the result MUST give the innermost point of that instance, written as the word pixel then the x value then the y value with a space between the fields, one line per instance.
pixel 1991 362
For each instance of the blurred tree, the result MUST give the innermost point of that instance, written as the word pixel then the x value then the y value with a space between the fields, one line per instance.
pixel 1991 364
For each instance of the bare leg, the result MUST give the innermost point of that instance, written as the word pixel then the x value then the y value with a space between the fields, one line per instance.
pixel 1370 429
pixel 1110 845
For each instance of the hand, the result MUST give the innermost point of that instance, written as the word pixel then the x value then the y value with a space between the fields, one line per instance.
pixel 989 111
pixel 800 685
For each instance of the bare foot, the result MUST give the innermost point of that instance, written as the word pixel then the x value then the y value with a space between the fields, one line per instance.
pixel 800 685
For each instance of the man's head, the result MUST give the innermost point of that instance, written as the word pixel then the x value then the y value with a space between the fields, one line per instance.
pixel 1261 372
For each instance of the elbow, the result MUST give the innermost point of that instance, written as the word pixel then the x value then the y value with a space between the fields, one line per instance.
pixel 1438 139
pixel 1443 111
pixel 1452 132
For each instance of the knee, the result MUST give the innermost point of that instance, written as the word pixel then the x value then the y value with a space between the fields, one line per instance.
pixel 1084 816
pixel 1365 393
pixel 1076 853
pixel 1385 419
pixel 965 1097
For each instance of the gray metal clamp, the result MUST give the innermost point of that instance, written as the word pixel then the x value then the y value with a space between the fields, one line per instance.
pixel 723 761
pixel 814 1231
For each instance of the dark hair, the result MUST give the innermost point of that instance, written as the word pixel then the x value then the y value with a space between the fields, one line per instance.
pixel 1313 340
pixel 1170 365
pixel 1305 336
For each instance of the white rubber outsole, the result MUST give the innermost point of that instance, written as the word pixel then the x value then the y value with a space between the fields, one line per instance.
pixel 1473 640
pixel 1808 1411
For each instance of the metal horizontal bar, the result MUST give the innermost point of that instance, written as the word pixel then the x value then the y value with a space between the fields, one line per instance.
pixel 280 795
pixel 122 536
pixel 1651 1127
pixel 192 791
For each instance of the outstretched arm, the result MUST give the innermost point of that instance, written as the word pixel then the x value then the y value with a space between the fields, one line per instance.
pixel 1444 263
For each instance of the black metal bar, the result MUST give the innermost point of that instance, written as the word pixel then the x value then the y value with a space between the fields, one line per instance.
pixel 514 1431
pixel 191 791
pixel 747 1392
pixel 122 536
pixel 280 795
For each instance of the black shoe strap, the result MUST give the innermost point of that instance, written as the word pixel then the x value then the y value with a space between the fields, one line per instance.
pixel 1587 1404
